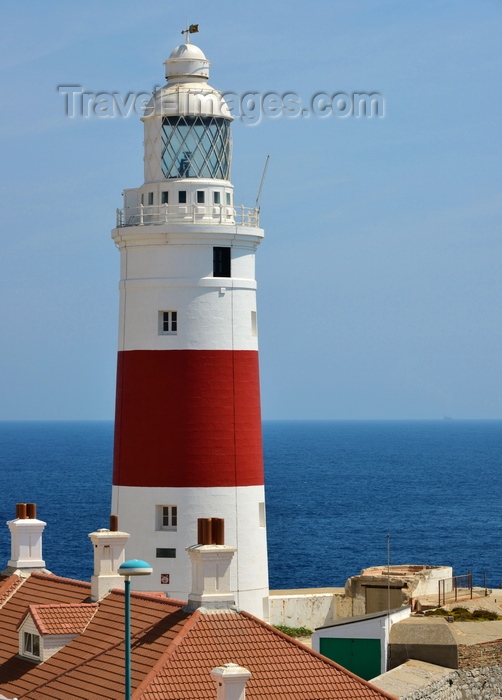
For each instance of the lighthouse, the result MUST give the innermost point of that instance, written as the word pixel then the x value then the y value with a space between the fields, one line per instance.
pixel 188 439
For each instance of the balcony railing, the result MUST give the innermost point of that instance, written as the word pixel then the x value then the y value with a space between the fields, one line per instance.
pixel 155 214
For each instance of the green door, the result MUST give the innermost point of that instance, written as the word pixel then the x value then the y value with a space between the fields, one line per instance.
pixel 361 656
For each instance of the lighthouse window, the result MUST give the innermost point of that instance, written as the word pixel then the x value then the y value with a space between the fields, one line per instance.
pixel 166 518
pixel 150 198
pixel 196 147
pixel 229 198
pixel 182 197
pixel 216 197
pixel 165 197
pixel 169 517
pixel 165 553
pixel 200 197
pixel 168 322
pixel 221 262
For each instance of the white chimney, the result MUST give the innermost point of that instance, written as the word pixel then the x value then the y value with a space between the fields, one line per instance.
pixel 26 539
pixel 109 554
pixel 230 681
pixel 210 576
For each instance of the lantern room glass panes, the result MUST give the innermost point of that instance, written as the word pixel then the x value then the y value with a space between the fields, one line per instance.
pixel 196 147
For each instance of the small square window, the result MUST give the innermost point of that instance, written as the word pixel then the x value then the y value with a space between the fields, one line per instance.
pixel 165 553
pixel 229 198
pixel 165 197
pixel 166 518
pixel 201 198
pixel 150 198
pixel 216 197
pixel 168 322
pixel 169 517
pixel 182 197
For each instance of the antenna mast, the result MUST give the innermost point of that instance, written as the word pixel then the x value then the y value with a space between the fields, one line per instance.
pixel 257 203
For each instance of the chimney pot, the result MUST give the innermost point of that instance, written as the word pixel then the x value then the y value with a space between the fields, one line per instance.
pixel 31 510
pixel 210 531
pixel 114 523
pixel 218 531
pixel 21 511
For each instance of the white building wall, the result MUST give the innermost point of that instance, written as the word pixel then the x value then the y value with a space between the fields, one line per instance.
pixel 210 317
pixel 249 570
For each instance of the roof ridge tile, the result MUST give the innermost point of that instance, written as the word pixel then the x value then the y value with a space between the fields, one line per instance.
pixel 9 587
pixel 145 595
pixel 52 577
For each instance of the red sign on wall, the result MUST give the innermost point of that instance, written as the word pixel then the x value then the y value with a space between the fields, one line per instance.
pixel 164 578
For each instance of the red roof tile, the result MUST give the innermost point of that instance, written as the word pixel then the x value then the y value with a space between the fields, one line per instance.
pixel 62 618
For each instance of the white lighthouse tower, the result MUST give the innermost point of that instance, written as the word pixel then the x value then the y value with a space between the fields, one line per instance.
pixel 188 426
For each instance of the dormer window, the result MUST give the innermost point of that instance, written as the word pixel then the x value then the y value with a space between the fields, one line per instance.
pixel 31 645
pixel 47 628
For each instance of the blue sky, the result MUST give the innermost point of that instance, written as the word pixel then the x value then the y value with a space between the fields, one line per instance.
pixel 380 275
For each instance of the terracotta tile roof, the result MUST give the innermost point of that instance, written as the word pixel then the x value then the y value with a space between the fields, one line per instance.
pixel 173 653
pixel 91 666
pixel 62 618
pixel 280 666
pixel 37 589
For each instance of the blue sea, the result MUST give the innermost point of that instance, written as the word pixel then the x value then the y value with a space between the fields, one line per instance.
pixel 334 490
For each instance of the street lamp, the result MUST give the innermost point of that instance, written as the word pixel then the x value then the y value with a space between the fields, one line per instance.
pixel 132 567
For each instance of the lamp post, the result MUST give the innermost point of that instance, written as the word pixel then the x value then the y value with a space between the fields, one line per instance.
pixel 132 567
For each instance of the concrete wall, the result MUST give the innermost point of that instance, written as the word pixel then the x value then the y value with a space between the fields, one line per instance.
pixel 427 583
pixel 426 639
pixel 313 607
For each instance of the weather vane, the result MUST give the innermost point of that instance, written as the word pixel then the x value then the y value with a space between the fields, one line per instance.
pixel 192 29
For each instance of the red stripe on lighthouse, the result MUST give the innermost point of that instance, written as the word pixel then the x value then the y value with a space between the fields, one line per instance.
pixel 188 418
